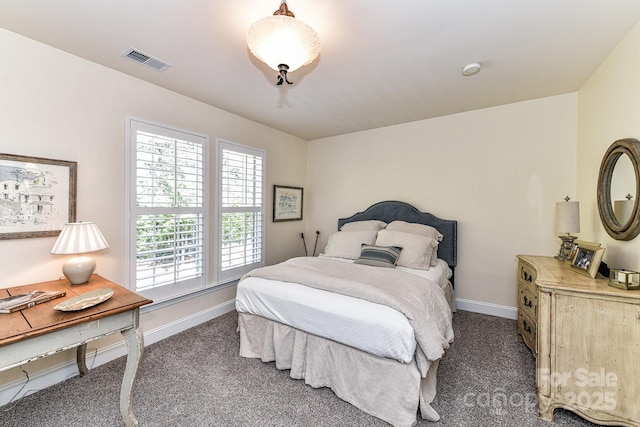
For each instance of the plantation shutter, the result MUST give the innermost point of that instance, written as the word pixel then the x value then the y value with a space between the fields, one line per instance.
pixel 242 210
pixel 168 207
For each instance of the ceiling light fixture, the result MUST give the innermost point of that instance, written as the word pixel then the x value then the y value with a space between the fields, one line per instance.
pixel 283 42
pixel 471 69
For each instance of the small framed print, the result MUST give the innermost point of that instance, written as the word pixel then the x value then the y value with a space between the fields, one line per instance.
pixel 587 258
pixel 38 196
pixel 287 203
pixel 574 249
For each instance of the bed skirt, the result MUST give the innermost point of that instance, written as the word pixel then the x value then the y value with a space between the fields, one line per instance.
pixel 385 388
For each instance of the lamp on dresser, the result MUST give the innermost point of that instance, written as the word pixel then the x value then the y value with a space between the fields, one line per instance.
pixel 623 209
pixel 79 238
pixel 567 221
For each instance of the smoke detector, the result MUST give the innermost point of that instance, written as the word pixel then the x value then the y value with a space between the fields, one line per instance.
pixel 471 69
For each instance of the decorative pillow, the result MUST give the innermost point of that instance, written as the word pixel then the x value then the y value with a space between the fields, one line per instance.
pixel 379 256
pixel 348 244
pixel 416 249
pixel 422 230
pixel 372 224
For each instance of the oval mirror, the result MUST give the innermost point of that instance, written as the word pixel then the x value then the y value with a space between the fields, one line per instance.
pixel 619 189
pixel 623 187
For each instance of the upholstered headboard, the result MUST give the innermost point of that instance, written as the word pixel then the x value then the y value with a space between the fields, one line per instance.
pixel 400 211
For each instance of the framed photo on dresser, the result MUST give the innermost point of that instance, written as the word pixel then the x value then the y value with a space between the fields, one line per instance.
pixel 587 257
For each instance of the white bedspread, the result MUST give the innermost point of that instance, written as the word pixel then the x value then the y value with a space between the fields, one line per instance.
pixel 368 326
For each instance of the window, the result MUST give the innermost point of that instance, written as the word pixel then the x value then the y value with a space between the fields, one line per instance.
pixel 241 209
pixel 167 201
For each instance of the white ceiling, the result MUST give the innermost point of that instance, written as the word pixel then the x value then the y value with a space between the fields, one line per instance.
pixel 382 62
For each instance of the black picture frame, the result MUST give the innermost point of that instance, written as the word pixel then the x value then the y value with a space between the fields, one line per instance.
pixel 287 203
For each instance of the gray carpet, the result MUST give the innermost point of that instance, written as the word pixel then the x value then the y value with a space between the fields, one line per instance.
pixel 196 378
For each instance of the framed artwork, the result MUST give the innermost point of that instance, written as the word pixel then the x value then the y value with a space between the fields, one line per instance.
pixel 574 249
pixel 37 196
pixel 287 203
pixel 587 258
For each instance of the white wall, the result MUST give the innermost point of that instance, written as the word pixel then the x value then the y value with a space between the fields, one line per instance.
pixel 609 109
pixel 498 171
pixel 56 105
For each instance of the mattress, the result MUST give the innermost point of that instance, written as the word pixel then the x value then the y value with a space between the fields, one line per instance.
pixel 367 326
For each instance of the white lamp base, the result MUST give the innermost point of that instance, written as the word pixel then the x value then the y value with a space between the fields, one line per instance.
pixel 79 269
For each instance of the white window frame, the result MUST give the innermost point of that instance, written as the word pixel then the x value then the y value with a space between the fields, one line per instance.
pixel 230 274
pixel 177 288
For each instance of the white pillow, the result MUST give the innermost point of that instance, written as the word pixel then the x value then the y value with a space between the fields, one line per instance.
pixel 372 224
pixel 420 229
pixel 348 244
pixel 416 250
pixel 414 228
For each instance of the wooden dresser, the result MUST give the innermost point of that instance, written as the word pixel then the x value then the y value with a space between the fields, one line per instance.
pixel 585 335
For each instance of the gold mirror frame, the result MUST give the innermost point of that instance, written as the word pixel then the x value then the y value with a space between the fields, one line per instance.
pixel 631 228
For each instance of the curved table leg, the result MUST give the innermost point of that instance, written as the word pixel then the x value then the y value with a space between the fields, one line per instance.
pixel 81 353
pixel 135 344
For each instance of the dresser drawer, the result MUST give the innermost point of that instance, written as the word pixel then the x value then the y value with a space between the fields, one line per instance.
pixel 527 328
pixel 527 276
pixel 528 302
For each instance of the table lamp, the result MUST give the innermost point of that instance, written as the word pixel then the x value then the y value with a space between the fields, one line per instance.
pixel 567 221
pixel 79 238
pixel 622 209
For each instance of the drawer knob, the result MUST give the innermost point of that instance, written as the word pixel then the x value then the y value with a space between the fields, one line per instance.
pixel 526 326
pixel 527 302
pixel 526 276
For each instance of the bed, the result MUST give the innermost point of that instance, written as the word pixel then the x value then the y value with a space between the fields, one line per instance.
pixel 377 346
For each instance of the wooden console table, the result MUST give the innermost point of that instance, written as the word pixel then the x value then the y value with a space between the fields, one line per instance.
pixel 585 335
pixel 40 331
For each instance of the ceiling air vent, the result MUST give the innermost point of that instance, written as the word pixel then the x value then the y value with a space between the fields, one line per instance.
pixel 148 60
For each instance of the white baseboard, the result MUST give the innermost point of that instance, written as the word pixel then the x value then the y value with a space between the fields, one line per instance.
pixel 487 308
pixel 17 389
pixel 165 331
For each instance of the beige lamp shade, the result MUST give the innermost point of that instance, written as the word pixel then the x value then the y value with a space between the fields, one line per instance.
pixel 79 238
pixel 283 40
pixel 623 209
pixel 568 217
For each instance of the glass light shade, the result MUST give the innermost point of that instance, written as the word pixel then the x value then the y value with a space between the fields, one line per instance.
pixel 281 39
pixel 79 238
pixel 568 217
